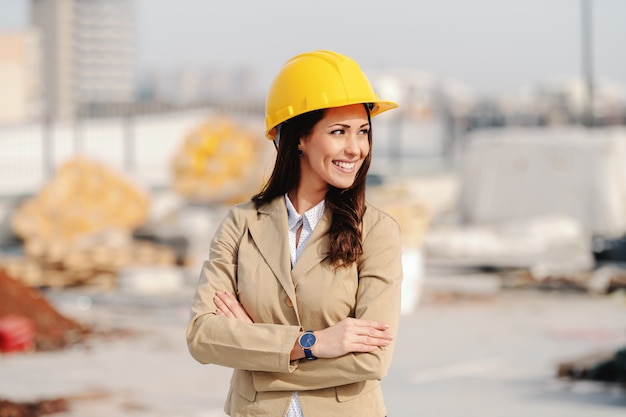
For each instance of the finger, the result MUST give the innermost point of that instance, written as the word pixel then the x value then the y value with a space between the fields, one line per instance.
pixel 222 309
pixel 375 341
pixel 367 344
pixel 225 297
pixel 234 306
pixel 369 339
pixel 242 314
pixel 365 348
pixel 377 334
pixel 229 302
pixel 223 300
pixel 369 323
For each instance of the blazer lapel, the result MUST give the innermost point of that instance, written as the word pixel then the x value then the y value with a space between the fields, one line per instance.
pixel 315 251
pixel 270 233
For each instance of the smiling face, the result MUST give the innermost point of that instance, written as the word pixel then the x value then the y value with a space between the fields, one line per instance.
pixel 335 149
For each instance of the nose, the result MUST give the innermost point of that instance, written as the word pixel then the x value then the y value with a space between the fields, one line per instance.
pixel 353 145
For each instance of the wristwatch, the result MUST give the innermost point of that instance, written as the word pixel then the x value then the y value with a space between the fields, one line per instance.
pixel 307 340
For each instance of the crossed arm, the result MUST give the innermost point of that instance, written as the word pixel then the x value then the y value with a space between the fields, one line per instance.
pixel 348 335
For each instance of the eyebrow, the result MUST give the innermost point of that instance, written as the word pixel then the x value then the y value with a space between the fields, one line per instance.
pixel 347 126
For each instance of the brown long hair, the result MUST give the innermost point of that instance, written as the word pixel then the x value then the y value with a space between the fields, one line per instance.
pixel 346 205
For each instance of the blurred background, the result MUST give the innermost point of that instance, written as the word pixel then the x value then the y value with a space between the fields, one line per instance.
pixel 127 127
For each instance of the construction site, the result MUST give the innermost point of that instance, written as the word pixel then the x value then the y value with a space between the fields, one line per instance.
pixel 511 201
pixel 514 291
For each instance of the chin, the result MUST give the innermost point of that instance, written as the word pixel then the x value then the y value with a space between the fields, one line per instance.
pixel 342 185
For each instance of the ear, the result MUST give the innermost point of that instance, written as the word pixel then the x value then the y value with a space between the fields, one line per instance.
pixel 303 142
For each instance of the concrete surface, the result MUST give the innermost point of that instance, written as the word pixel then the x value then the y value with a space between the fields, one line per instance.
pixel 470 349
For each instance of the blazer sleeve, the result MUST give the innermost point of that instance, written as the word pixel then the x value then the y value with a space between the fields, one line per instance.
pixel 226 341
pixel 378 298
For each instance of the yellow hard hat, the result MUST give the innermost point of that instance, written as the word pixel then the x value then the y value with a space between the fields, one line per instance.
pixel 318 80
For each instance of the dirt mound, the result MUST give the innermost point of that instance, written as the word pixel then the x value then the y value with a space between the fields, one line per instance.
pixel 32 409
pixel 52 330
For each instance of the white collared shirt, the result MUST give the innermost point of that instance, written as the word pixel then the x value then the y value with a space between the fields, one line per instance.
pixel 308 221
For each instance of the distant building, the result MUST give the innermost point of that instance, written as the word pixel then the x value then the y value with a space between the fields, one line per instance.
pixel 557 102
pixel 88 54
pixel 19 77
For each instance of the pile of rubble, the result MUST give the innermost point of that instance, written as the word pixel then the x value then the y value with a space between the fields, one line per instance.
pixel 33 408
pixel 90 262
pixel 607 279
pixel 220 162
pixel 85 197
pixel 31 318
pixel 78 230
pixel 607 367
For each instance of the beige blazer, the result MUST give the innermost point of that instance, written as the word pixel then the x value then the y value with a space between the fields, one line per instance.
pixel 249 255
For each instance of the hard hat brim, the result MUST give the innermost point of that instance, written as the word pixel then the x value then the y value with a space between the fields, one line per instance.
pixel 380 106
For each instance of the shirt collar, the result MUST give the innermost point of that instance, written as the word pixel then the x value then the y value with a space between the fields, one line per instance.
pixel 309 219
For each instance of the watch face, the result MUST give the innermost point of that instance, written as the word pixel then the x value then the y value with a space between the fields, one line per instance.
pixel 307 340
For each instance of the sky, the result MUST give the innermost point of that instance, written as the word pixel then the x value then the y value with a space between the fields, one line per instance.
pixel 492 46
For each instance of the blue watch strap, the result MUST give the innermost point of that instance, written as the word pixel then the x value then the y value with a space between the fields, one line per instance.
pixel 309 355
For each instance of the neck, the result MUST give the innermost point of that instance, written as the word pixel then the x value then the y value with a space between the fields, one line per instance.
pixel 303 202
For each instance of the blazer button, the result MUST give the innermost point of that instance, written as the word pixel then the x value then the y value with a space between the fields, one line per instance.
pixel 288 302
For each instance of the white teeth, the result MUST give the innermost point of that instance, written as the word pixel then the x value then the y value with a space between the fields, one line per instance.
pixel 345 165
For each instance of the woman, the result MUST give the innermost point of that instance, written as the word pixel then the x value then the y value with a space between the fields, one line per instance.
pixel 301 291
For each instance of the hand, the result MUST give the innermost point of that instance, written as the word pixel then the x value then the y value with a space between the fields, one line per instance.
pixel 351 335
pixel 229 306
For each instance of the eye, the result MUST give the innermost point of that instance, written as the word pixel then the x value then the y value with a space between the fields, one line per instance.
pixel 337 132
pixel 365 131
